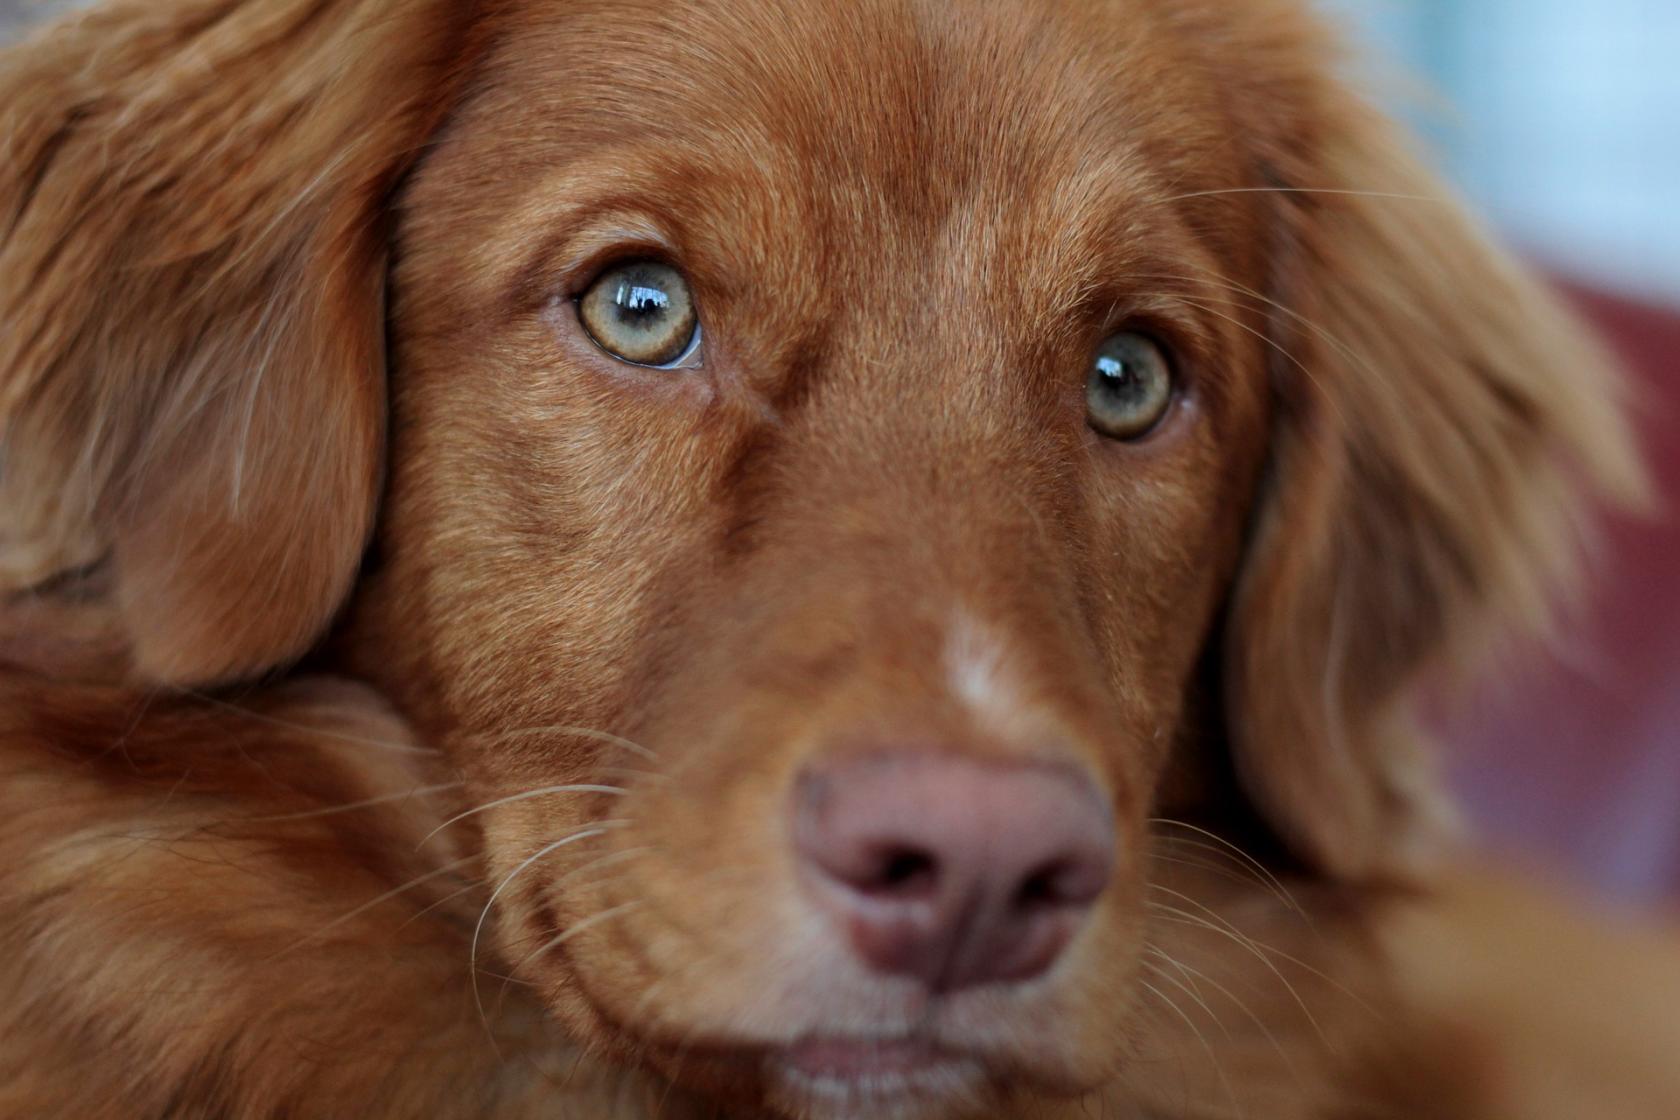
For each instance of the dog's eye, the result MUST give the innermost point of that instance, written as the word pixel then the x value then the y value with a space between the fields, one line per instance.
pixel 641 312
pixel 1130 386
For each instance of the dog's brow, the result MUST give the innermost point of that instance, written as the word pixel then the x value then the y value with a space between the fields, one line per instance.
pixel 577 237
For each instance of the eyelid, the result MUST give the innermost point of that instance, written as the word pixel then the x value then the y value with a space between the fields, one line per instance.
pixel 562 263
pixel 597 251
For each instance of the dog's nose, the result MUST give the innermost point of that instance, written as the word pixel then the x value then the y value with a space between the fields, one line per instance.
pixel 954 871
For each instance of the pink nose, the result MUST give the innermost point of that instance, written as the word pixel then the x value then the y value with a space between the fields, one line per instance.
pixel 954 871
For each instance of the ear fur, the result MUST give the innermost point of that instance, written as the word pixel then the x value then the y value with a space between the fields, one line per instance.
pixel 191 273
pixel 1443 425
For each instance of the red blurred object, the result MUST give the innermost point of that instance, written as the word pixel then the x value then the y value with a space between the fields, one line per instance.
pixel 1575 760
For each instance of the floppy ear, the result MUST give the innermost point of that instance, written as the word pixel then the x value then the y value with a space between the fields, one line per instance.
pixel 1442 424
pixel 191 340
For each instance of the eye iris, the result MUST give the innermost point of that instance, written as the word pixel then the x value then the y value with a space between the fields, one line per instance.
pixel 1130 387
pixel 640 312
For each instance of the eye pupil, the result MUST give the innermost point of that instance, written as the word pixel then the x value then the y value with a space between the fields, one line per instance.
pixel 636 301
pixel 641 312
pixel 1117 375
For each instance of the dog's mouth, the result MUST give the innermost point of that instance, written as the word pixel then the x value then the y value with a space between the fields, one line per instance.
pixel 922 933
pixel 837 1052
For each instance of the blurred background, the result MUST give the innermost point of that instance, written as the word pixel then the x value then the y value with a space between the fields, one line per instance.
pixel 1561 122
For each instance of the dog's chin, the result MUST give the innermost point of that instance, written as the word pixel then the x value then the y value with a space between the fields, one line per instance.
pixel 891 1078
pixel 835 1078
pixel 852 1077
pixel 833 1044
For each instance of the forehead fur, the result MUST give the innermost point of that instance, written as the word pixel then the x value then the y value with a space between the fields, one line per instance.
pixel 1042 158
pixel 982 84
pixel 890 107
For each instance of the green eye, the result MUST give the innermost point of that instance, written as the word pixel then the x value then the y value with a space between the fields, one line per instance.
pixel 1130 386
pixel 641 312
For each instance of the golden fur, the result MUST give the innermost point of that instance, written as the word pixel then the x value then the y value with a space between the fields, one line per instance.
pixel 332 548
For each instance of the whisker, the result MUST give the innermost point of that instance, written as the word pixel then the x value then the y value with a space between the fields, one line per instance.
pixel 603 861
pixel 576 928
pixel 1226 872
pixel 289 725
pixel 1400 196
pixel 648 775
pixel 1213 867
pixel 445 900
pixel 1218 1066
pixel 599 829
pixel 1256 946
pixel 1223 844
pixel 580 732
pixel 506 979
pixel 581 787
pixel 587 865
pixel 1225 929
pixel 1219 281
pixel 1259 1023
pixel 1306 371
pixel 321 931
pixel 1189 991
pixel 367 803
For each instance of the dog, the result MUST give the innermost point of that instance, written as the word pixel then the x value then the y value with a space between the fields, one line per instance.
pixel 768 559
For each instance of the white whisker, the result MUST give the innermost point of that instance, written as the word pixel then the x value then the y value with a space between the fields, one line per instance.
pixel 1224 928
pixel 321 931
pixel 1218 1066
pixel 598 829
pixel 602 861
pixel 576 928
pixel 367 803
pixel 578 787
pixel 289 725
pixel 1193 975
pixel 1308 190
pixel 444 901
pixel 1188 990
pixel 580 732
pixel 1244 857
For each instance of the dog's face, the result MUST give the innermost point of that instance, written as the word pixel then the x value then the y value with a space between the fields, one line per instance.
pixel 841 458
pixel 933 496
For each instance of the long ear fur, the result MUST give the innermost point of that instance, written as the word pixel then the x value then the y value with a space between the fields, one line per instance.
pixel 191 336
pixel 1443 425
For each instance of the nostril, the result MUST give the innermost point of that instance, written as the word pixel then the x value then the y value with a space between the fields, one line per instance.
pixel 1059 883
pixel 1041 889
pixel 904 872
pixel 885 870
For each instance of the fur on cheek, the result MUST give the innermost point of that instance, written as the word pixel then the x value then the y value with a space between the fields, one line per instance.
pixel 241 912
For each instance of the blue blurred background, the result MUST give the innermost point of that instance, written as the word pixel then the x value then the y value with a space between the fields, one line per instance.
pixel 1560 119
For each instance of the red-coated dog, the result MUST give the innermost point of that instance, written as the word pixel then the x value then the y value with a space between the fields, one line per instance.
pixel 770 558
